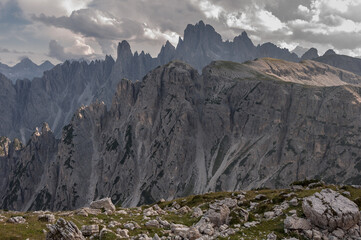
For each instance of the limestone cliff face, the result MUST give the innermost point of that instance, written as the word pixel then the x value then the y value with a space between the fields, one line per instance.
pixel 53 98
pixel 236 126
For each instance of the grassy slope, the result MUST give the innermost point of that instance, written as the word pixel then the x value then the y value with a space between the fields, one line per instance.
pixel 33 229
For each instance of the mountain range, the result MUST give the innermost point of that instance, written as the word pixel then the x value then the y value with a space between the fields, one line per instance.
pixel 25 69
pixel 54 97
pixel 264 123
pixel 191 125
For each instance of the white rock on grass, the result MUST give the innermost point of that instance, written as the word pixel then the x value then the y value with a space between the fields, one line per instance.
pixel 152 223
pixel 197 212
pixel 296 223
pixel 17 220
pixel 105 203
pixel 179 229
pixel 330 210
pixel 89 230
pixel 269 215
pixel 50 218
pixel 65 230
pixel 123 233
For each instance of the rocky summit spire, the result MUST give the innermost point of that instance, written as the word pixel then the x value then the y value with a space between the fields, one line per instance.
pixel 124 52
pixel 167 53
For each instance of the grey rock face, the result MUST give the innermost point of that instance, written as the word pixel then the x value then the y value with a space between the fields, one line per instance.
pixel 64 230
pixel 236 126
pixel 54 97
pixel 330 210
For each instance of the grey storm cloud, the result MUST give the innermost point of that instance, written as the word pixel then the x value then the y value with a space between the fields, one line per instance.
pixel 94 23
pixel 11 16
pixel 148 24
pixel 6 50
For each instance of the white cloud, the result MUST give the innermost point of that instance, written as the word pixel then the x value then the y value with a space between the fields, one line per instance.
pixel 209 9
pixel 303 9
pixel 80 47
pixel 156 34
pixel 270 21
pixel 74 5
pixel 239 20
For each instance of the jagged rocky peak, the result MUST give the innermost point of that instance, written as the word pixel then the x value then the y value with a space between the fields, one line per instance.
pixel 244 38
pixel 166 53
pixel 26 62
pixel 310 54
pixel 124 52
pixel 194 34
pixel 329 52
pixel 299 50
pixel 109 58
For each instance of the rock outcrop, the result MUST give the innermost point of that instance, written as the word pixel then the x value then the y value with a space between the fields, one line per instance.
pixel 105 203
pixel 330 210
pixel 64 230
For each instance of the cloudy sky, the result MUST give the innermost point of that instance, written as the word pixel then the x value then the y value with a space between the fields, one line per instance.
pixel 72 29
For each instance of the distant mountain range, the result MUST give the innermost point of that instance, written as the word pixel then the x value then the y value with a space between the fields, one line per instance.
pixel 25 69
pixel 264 123
pixel 55 96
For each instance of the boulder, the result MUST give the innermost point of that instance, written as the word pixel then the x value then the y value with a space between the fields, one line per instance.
pixel 218 214
pixel 89 230
pixel 156 237
pixel 250 224
pixel 152 223
pixel 150 212
pixel 64 230
pixel 244 214
pixel 179 229
pixel 293 202
pixel 339 233
pixel 193 233
pixel 260 197
pixel 229 202
pixel 330 210
pixel 105 203
pixel 184 210
pixel 272 236
pixel 17 220
pixel 296 223
pixel 197 212
pixel 108 234
pixel 269 215
pixel 124 233
pixel 50 218
pixel 163 223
